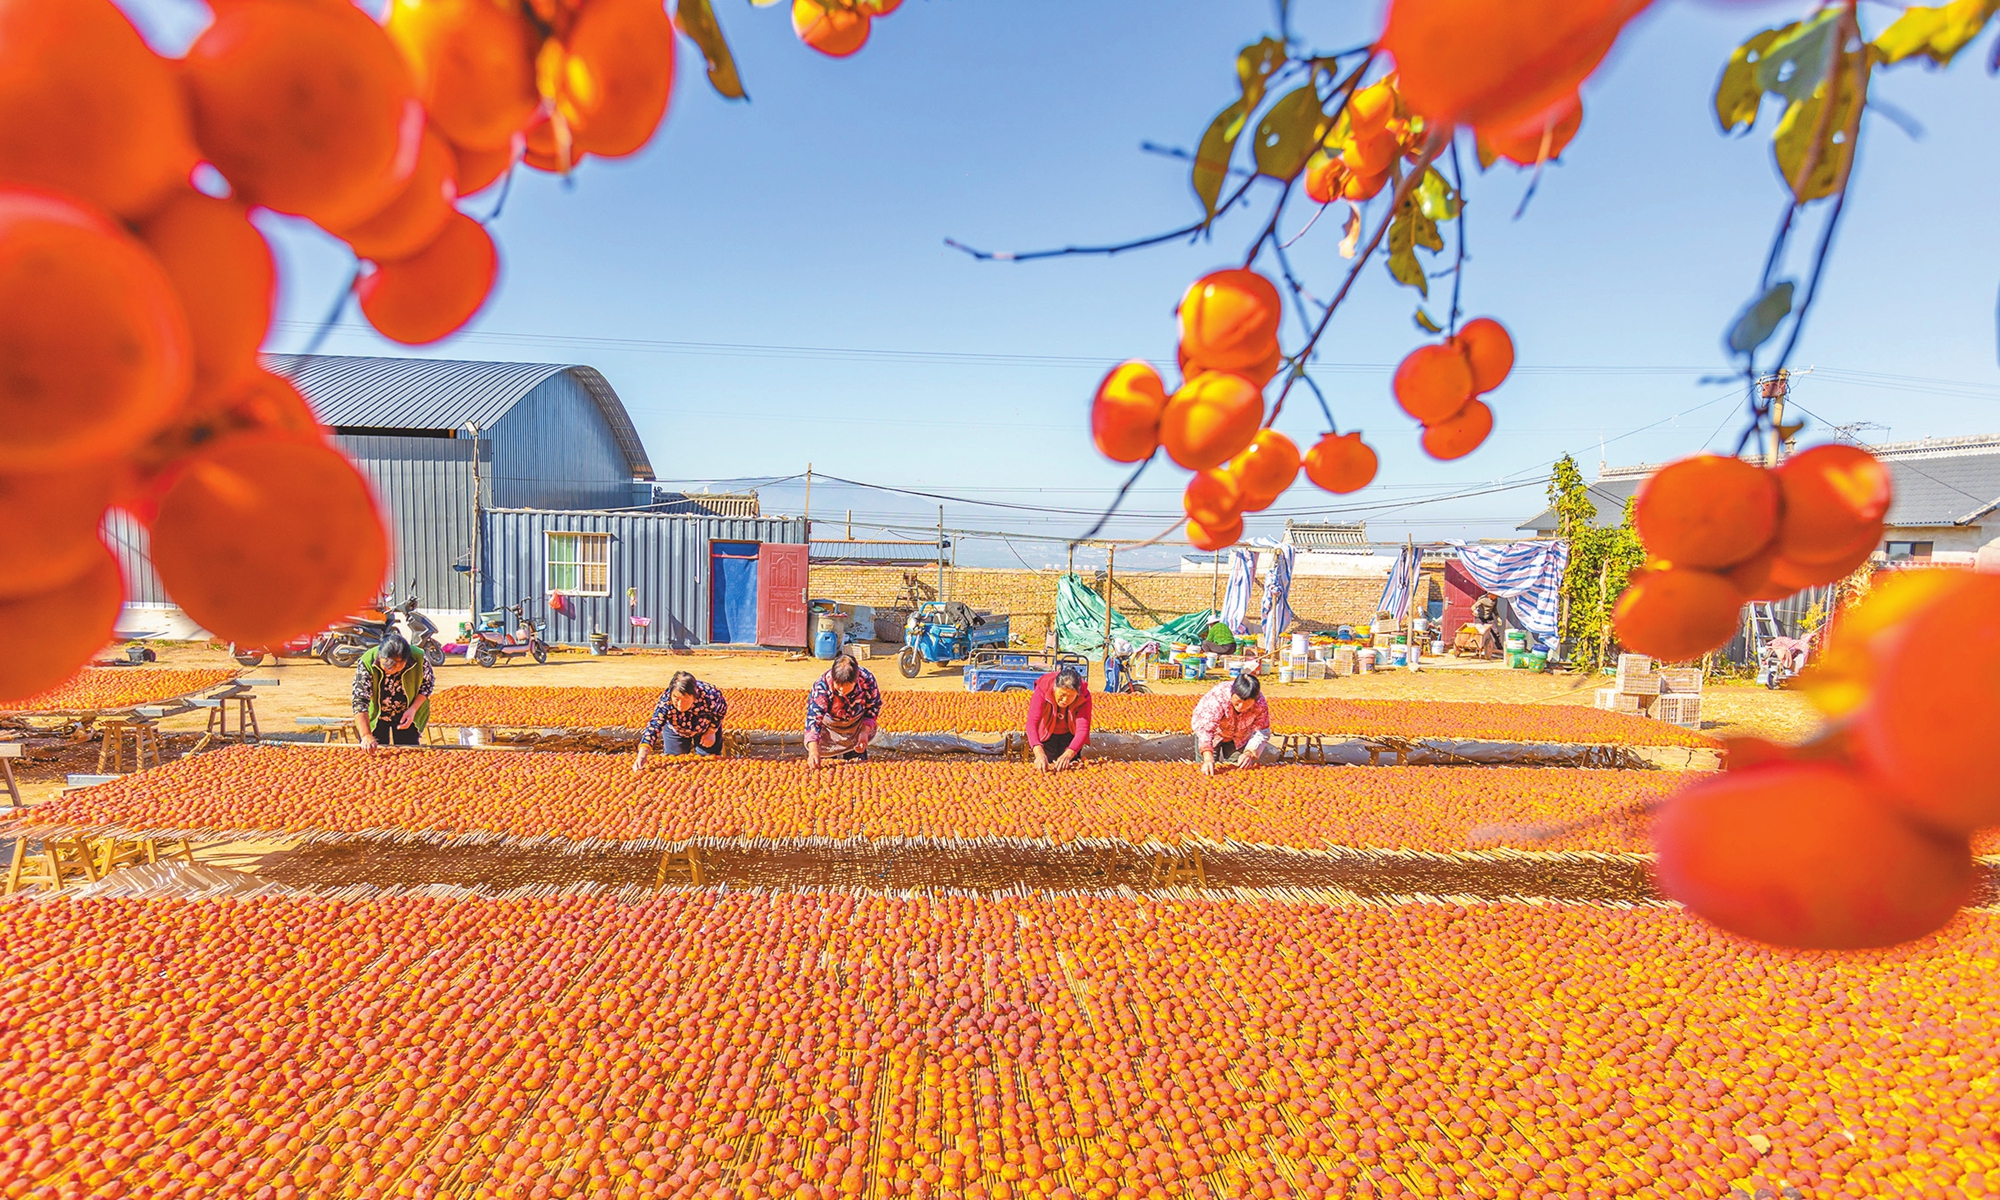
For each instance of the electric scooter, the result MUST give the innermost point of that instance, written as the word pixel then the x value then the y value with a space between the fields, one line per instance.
pixel 491 643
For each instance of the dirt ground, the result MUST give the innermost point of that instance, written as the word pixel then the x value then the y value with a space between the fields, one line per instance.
pixel 310 688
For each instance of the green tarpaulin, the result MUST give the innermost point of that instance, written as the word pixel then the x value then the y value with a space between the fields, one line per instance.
pixel 1080 622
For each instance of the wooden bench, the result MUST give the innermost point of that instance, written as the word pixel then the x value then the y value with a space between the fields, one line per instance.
pixel 335 729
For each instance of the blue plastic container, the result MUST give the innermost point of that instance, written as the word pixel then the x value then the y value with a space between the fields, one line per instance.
pixel 826 644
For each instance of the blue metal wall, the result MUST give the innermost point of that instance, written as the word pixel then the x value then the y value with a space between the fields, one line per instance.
pixel 555 450
pixel 665 558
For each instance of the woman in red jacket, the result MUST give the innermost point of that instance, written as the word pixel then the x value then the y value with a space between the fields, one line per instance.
pixel 1059 719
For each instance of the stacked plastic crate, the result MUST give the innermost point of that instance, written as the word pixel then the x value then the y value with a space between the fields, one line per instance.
pixel 1643 688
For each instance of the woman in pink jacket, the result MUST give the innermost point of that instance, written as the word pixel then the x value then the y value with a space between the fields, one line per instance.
pixel 1059 719
pixel 1232 723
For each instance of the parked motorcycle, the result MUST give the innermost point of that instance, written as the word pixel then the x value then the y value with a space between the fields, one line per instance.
pixel 417 629
pixel 491 642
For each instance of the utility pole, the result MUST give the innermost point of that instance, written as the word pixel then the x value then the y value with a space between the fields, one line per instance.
pixel 809 502
pixel 940 552
pixel 850 524
pixel 1776 388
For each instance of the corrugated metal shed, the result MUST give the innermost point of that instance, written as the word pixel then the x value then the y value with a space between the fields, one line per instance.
pixel 1330 535
pixel 1939 482
pixel 708 504
pixel 426 484
pixel 438 395
pixel 663 558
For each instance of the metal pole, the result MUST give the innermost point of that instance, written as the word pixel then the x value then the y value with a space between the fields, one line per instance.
pixel 850 524
pixel 1069 566
pixel 809 502
pixel 1110 573
pixel 473 428
pixel 940 549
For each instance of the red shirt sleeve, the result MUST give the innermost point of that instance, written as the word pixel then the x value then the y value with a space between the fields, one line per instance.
pixel 1037 699
pixel 1081 720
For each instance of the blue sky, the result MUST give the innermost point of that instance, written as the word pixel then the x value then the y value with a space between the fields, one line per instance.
pixel 767 284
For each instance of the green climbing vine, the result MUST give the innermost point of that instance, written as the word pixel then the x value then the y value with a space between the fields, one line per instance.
pixel 1601 560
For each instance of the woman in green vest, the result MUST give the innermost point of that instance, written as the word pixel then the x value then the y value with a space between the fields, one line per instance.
pixel 392 694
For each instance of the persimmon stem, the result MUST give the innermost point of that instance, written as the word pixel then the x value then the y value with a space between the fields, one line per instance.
pixel 1120 497
pixel 1171 235
pixel 1404 186
pixel 333 315
pixel 1458 269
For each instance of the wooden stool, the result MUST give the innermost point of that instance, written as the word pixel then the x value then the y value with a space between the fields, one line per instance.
pixel 114 852
pixel 9 751
pixel 1182 869
pixel 59 860
pixel 145 738
pixel 332 729
pixel 1302 748
pixel 1376 750
pixel 218 717
pixel 689 860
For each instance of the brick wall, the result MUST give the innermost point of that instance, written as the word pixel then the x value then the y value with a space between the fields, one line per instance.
pixel 1144 597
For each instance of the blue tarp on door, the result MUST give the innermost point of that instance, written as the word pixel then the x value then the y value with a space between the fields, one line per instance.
pixel 732 595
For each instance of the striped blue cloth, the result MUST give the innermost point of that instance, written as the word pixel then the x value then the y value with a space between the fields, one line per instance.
pixel 1278 595
pixel 1529 574
pixel 1236 601
pixel 1401 583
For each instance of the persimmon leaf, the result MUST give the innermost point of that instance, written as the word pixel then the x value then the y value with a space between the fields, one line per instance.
pixel 1289 133
pixel 1795 135
pixel 1255 65
pixel 1436 198
pixel 1794 64
pixel 696 20
pixel 1937 33
pixel 1762 318
pixel 1410 229
pixel 1211 157
pixel 1738 95
pixel 1424 322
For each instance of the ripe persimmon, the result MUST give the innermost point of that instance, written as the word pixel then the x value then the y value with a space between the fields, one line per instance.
pixel 1488 351
pixel 1710 511
pixel 93 340
pixel 478 170
pixel 1540 138
pixel 473 64
pixel 434 292
pixel 305 108
pixel 1210 418
pixel 1369 110
pixel 1265 468
pixel 1213 499
pixel 1229 320
pixel 263 537
pixel 1789 576
pixel 1925 731
pixel 1370 154
pixel 221 268
pixel 838 32
pixel 87 109
pixel 1459 435
pixel 1676 613
pixel 1364 187
pixel 417 215
pixel 259 403
pixel 66 624
pixel 1807 855
pixel 1868 636
pixel 1215 537
pixel 1341 463
pixel 1835 497
pixel 1473 62
pixel 611 75
pixel 1125 413
pixel 1325 179
pixel 1258 374
pixel 50 534
pixel 545 147
pixel 1433 383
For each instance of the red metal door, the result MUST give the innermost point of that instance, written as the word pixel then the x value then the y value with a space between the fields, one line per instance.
pixel 781 595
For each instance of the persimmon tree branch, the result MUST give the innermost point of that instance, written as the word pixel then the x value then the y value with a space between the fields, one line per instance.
pixel 1186 231
pixel 1439 139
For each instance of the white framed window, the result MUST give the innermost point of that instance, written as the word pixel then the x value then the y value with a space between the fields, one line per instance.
pixel 1898 551
pixel 579 564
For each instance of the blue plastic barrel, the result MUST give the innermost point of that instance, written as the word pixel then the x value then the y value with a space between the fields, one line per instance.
pixel 826 644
